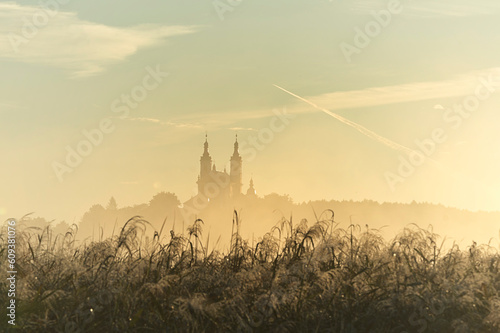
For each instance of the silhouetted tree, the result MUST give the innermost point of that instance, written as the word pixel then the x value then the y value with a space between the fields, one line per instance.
pixel 164 200
pixel 111 204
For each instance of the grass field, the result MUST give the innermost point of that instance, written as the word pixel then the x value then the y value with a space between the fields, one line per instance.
pixel 296 278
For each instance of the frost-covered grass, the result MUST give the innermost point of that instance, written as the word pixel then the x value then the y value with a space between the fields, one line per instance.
pixel 296 278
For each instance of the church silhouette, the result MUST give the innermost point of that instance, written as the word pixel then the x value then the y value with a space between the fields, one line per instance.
pixel 219 193
pixel 217 185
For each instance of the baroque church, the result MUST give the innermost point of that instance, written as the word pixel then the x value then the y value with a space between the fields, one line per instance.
pixel 214 184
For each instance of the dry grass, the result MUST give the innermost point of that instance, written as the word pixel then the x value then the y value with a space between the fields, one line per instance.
pixel 296 278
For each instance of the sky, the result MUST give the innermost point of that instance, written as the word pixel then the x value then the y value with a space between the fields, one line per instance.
pixel 383 100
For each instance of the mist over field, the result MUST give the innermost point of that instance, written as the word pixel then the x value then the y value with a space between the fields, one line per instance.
pixel 258 215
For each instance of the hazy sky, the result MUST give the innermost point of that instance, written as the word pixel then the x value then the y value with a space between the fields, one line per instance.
pixel 66 69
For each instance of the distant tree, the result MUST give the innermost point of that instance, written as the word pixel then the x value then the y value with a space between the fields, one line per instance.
pixel 111 204
pixel 163 200
pixel 92 220
pixel 161 206
pixel 96 210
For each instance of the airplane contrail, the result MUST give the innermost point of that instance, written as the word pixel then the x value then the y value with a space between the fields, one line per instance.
pixel 385 141
pixel 389 143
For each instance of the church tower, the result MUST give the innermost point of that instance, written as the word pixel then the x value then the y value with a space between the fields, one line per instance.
pixel 251 189
pixel 205 167
pixel 235 174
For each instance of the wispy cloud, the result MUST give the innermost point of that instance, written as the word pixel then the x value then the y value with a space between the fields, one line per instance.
pixel 165 123
pixel 147 120
pixel 225 119
pixel 84 48
pixel 433 8
pixel 460 86
pixel 249 129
